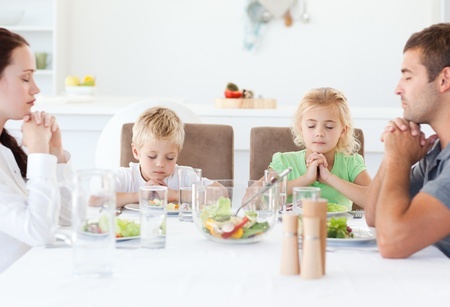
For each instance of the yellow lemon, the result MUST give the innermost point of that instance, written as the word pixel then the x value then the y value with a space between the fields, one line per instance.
pixel 88 81
pixel 72 81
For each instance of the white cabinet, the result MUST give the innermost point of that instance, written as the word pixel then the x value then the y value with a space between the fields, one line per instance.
pixel 38 27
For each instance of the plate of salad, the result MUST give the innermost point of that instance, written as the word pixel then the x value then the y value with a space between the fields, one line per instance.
pixel 171 208
pixel 127 229
pixel 340 233
pixel 218 223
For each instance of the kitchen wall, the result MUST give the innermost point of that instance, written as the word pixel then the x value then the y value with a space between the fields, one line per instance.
pixel 192 48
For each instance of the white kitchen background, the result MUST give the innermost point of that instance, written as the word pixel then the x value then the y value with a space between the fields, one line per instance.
pixel 192 48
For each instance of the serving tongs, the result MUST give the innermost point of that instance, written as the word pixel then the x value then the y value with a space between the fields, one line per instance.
pixel 266 187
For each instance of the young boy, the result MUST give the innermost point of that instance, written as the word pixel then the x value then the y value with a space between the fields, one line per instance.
pixel 158 137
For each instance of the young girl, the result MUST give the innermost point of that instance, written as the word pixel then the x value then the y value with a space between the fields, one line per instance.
pixel 158 137
pixel 323 125
pixel 26 181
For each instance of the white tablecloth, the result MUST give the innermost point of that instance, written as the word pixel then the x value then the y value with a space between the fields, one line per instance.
pixel 193 271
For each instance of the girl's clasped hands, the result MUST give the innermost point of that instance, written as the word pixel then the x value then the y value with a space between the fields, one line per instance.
pixel 317 166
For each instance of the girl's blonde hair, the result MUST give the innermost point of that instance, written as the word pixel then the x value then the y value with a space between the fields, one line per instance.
pixel 325 97
pixel 158 123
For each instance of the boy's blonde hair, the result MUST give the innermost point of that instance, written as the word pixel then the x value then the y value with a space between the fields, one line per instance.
pixel 322 98
pixel 158 123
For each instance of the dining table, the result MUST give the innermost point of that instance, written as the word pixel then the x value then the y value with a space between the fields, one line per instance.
pixel 195 271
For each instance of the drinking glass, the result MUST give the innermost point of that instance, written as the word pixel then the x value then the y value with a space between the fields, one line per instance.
pixel 186 177
pixel 152 204
pixel 301 193
pixel 282 187
pixel 93 226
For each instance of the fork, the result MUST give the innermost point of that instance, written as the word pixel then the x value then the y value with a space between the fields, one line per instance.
pixel 120 210
pixel 358 214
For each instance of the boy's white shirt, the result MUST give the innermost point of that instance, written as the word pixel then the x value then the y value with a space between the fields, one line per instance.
pixel 129 179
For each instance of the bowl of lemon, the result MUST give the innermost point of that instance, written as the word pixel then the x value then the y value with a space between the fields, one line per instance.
pixel 77 86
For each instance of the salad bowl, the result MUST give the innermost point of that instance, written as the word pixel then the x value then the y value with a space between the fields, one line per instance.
pixel 214 210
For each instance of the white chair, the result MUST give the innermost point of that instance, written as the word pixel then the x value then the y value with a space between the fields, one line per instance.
pixel 107 154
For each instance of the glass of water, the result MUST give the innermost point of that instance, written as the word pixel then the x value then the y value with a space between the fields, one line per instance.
pixel 187 176
pixel 93 227
pixel 299 194
pixel 282 187
pixel 152 204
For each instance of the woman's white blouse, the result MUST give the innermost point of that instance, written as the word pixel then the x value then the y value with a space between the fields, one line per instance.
pixel 25 206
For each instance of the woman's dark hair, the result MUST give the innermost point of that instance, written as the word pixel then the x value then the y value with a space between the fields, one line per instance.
pixel 8 42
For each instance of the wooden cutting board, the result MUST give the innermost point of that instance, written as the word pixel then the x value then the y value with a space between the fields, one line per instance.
pixel 246 103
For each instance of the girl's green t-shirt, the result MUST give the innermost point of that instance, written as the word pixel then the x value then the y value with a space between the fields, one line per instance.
pixel 346 167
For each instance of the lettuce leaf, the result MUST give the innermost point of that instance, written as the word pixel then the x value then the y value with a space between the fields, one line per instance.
pixel 256 229
pixel 221 209
pixel 127 228
pixel 333 207
pixel 337 228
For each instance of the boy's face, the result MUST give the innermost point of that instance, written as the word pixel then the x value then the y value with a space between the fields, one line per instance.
pixel 157 159
pixel 321 129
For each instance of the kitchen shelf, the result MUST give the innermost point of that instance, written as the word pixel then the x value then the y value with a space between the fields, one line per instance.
pixel 38 26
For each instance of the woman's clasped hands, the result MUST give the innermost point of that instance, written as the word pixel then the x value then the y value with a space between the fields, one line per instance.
pixel 41 134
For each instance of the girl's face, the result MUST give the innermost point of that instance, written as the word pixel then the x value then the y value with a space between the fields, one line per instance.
pixel 17 85
pixel 157 159
pixel 321 129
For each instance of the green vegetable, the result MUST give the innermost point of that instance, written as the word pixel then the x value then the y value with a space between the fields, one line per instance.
pixel 332 207
pixel 103 223
pixel 256 229
pixel 337 228
pixel 127 228
pixel 252 216
pixel 218 211
pixel 232 87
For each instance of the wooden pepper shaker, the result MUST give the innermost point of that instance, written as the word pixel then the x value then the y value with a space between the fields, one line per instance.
pixel 312 255
pixel 318 209
pixel 290 264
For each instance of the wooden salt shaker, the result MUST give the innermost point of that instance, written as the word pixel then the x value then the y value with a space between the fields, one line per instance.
pixel 290 264
pixel 318 209
pixel 311 257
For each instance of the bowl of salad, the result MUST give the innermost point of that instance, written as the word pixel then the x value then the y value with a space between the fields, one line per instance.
pixel 216 215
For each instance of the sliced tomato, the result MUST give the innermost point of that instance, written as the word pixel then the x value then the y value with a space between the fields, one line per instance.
pixel 244 221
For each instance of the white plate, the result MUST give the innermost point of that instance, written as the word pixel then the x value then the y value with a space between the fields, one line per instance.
pixel 330 214
pixel 127 238
pixel 135 207
pixel 361 235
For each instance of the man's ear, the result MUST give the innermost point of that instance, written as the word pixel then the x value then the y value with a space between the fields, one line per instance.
pixel 445 79
pixel 135 151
